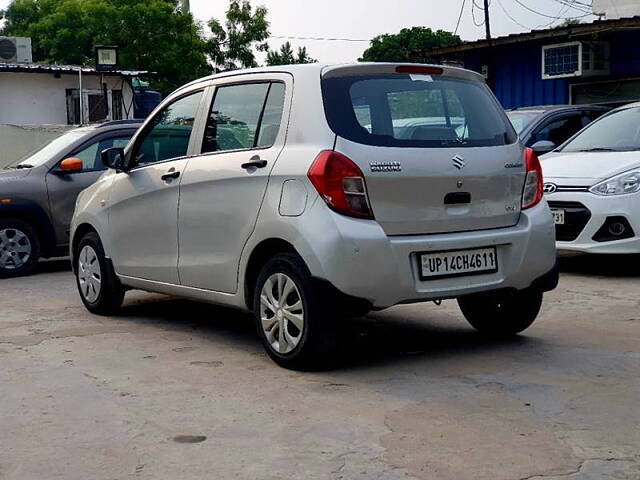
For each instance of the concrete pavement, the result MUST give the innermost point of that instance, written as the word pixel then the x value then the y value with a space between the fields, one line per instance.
pixel 172 389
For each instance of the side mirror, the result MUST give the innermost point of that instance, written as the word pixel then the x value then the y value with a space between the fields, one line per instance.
pixel 70 165
pixel 543 146
pixel 114 158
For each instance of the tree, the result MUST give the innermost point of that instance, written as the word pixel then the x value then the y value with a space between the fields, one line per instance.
pixel 231 45
pixel 153 35
pixel 398 47
pixel 286 56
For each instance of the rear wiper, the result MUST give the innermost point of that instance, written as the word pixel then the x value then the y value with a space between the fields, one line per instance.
pixel 23 165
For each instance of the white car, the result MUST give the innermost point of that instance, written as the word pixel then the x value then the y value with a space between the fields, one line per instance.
pixel 264 190
pixel 592 184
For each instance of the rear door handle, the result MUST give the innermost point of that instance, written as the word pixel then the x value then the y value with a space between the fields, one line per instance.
pixel 170 175
pixel 255 162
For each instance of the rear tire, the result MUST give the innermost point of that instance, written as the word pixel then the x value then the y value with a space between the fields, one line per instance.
pixel 293 316
pixel 501 314
pixel 99 287
pixel 19 248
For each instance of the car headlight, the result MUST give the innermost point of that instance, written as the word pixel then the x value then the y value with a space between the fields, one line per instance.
pixel 627 182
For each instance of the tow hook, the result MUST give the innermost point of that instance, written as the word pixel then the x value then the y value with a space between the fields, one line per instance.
pixel 438 302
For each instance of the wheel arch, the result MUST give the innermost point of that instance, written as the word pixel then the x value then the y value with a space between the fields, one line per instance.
pixel 262 252
pixel 33 214
pixel 80 231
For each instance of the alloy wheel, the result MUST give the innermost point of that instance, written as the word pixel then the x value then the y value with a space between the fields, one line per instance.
pixel 15 248
pixel 281 313
pixel 89 274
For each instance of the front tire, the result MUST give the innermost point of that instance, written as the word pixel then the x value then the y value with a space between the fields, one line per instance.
pixel 293 316
pixel 501 314
pixel 19 248
pixel 99 288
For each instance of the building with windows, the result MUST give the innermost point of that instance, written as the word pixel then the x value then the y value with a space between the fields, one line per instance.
pixel 596 62
pixel 35 94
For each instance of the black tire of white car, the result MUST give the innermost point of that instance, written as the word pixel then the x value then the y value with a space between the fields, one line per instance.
pixel 24 231
pixel 501 314
pixel 111 292
pixel 316 343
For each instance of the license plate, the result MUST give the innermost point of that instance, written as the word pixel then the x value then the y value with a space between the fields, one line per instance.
pixel 558 216
pixel 455 263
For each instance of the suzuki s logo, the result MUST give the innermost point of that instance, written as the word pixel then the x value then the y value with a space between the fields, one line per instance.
pixel 458 162
pixel 550 188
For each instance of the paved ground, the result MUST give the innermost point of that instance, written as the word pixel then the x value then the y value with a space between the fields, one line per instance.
pixel 179 390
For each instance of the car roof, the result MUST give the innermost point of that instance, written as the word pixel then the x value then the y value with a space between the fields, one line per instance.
pixel 324 68
pixel 110 126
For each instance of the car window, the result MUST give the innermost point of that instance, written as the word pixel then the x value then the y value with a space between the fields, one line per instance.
pixel 414 111
pixel 521 119
pixel 90 156
pixel 618 131
pixel 591 115
pixel 168 134
pixel 236 120
pixel 558 131
pixel 272 116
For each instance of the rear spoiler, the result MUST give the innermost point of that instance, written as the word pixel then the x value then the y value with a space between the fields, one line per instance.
pixel 402 68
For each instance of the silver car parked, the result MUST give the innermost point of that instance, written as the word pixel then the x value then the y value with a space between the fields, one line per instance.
pixel 309 194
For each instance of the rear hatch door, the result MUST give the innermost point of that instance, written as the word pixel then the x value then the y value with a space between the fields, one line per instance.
pixel 436 149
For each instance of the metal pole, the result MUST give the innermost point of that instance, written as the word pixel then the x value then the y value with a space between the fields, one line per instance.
pixel 487 26
pixel 81 102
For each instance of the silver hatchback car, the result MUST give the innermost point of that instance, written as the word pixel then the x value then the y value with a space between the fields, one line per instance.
pixel 309 194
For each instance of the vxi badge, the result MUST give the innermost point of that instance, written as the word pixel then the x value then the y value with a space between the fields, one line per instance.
pixel 385 167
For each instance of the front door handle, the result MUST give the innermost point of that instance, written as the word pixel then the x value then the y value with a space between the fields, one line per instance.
pixel 170 175
pixel 255 162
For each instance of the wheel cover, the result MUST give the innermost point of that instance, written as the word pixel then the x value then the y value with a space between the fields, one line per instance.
pixel 15 248
pixel 281 313
pixel 89 274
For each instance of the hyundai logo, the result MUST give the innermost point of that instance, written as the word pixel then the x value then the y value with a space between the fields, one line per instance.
pixel 550 188
pixel 458 162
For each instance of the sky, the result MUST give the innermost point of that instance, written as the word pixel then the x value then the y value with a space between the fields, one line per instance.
pixel 364 19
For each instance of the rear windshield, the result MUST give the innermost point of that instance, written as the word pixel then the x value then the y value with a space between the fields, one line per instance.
pixel 395 110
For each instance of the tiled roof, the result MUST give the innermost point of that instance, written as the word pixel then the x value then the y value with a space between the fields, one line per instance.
pixel 66 69
pixel 598 26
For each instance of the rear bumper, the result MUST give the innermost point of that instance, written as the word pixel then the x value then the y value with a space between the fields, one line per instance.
pixel 359 259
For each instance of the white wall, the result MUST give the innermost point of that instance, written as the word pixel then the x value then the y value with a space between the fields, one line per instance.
pixel 17 141
pixel 616 8
pixel 40 98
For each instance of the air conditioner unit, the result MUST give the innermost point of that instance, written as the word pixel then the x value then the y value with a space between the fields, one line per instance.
pixel 15 50
pixel 575 59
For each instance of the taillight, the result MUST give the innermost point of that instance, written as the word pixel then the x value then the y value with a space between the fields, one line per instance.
pixel 341 184
pixel 533 184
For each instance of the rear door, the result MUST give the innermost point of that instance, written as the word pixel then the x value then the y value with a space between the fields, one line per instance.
pixel 437 151
pixel 222 189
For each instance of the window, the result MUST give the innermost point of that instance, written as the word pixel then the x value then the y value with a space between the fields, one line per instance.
pixel 414 111
pixel 272 116
pixel 560 130
pixel 90 156
pixel 167 135
pixel 561 60
pixel 244 116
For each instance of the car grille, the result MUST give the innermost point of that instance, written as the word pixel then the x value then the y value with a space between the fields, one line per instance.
pixel 576 217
